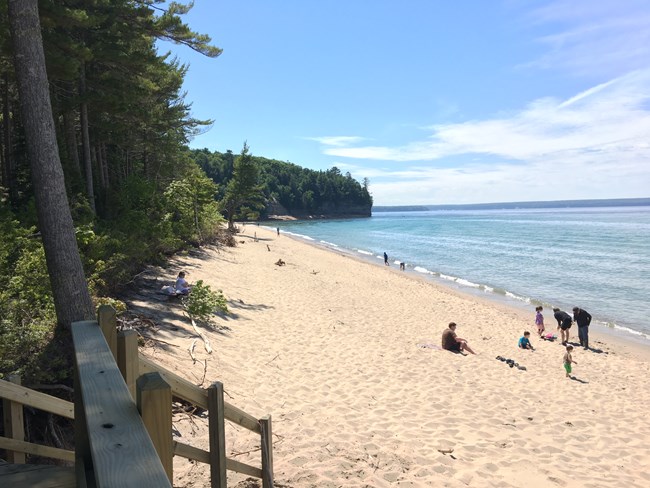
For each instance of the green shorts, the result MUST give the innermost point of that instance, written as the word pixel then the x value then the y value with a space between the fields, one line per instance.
pixel 567 367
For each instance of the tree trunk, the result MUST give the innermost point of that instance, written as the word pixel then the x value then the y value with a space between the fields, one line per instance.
pixel 71 142
pixel 69 287
pixel 85 138
pixel 9 167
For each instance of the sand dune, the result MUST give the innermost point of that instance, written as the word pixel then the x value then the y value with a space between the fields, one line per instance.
pixel 330 346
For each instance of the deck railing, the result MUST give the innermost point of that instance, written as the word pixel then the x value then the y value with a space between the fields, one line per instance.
pixel 123 418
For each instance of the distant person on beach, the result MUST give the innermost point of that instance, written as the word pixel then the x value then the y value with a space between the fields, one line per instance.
pixel 386 259
pixel 182 286
pixel 451 342
pixel 563 324
pixel 539 320
pixel 402 266
pixel 524 341
pixel 583 319
pixel 568 360
pixel 277 229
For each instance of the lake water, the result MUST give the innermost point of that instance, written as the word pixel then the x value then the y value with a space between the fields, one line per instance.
pixel 594 258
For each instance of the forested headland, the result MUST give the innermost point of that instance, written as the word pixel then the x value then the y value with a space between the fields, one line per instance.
pixel 289 189
pixel 134 191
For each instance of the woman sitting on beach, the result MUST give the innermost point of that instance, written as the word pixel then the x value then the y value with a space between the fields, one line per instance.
pixel 182 286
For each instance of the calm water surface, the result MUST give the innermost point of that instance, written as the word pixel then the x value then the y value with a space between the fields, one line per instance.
pixel 594 258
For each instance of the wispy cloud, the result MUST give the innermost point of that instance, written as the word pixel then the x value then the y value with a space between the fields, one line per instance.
pixel 591 145
pixel 594 37
pixel 614 113
pixel 338 141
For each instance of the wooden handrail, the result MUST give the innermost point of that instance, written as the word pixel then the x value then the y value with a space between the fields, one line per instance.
pixel 182 388
pixel 111 438
pixel 36 399
pixel 36 449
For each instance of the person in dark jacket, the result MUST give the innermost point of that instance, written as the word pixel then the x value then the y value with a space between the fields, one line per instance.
pixel 563 324
pixel 583 319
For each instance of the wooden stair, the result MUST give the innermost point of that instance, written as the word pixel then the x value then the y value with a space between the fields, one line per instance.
pixel 36 476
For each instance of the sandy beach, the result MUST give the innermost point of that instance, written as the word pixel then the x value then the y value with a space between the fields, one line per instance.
pixel 344 354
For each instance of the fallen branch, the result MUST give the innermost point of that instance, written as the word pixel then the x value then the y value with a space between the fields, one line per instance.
pixel 206 342
pixel 191 349
pixel 205 370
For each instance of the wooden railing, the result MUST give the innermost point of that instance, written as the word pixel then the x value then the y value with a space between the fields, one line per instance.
pixel 123 419
pixel 14 398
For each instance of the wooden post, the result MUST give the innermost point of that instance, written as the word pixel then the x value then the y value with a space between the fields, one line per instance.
pixel 127 358
pixel 14 423
pixel 267 452
pixel 107 318
pixel 217 434
pixel 154 398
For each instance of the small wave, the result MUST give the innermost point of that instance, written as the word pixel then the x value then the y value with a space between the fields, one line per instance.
pixel 420 269
pixel 331 244
pixel 487 289
pixel 627 330
pixel 361 251
pixel 517 297
pixel 448 277
pixel 302 236
pixel 471 284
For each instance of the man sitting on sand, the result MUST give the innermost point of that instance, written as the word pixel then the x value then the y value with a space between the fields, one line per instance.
pixel 451 342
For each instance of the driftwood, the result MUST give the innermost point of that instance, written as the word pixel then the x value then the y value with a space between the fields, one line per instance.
pixel 206 342
pixel 191 349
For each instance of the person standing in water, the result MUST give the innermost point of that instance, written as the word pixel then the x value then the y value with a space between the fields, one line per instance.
pixel 386 259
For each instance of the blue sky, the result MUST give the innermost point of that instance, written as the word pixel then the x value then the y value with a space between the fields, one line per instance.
pixel 435 102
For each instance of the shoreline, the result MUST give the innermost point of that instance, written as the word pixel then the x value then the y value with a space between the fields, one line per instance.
pixel 625 338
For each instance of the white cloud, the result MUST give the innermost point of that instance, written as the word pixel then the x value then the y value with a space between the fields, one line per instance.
pixel 592 145
pixel 613 112
pixel 595 37
pixel 336 140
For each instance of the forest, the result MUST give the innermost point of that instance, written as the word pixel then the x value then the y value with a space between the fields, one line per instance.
pixel 293 190
pixel 132 192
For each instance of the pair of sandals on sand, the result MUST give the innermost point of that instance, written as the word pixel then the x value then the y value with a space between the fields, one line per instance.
pixel 511 363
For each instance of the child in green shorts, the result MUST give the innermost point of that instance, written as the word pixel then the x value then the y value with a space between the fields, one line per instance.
pixel 568 360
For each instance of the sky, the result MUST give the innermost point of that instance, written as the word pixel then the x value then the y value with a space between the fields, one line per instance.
pixel 434 101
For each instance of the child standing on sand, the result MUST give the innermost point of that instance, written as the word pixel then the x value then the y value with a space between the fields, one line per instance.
pixel 568 360
pixel 539 320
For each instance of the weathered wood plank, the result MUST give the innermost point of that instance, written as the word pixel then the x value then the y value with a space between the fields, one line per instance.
pixel 190 452
pixel 121 450
pixel 182 388
pixel 14 423
pixel 33 476
pixel 217 435
pixel 36 399
pixel 127 358
pixel 107 318
pixel 267 452
pixel 154 400
pixel 36 449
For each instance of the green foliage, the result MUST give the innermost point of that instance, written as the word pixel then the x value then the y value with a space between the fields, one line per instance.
pixel 27 315
pixel 244 196
pixel 191 209
pixel 202 303
pixel 118 305
pixel 300 191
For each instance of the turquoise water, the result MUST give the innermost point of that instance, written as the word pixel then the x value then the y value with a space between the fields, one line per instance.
pixel 594 258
